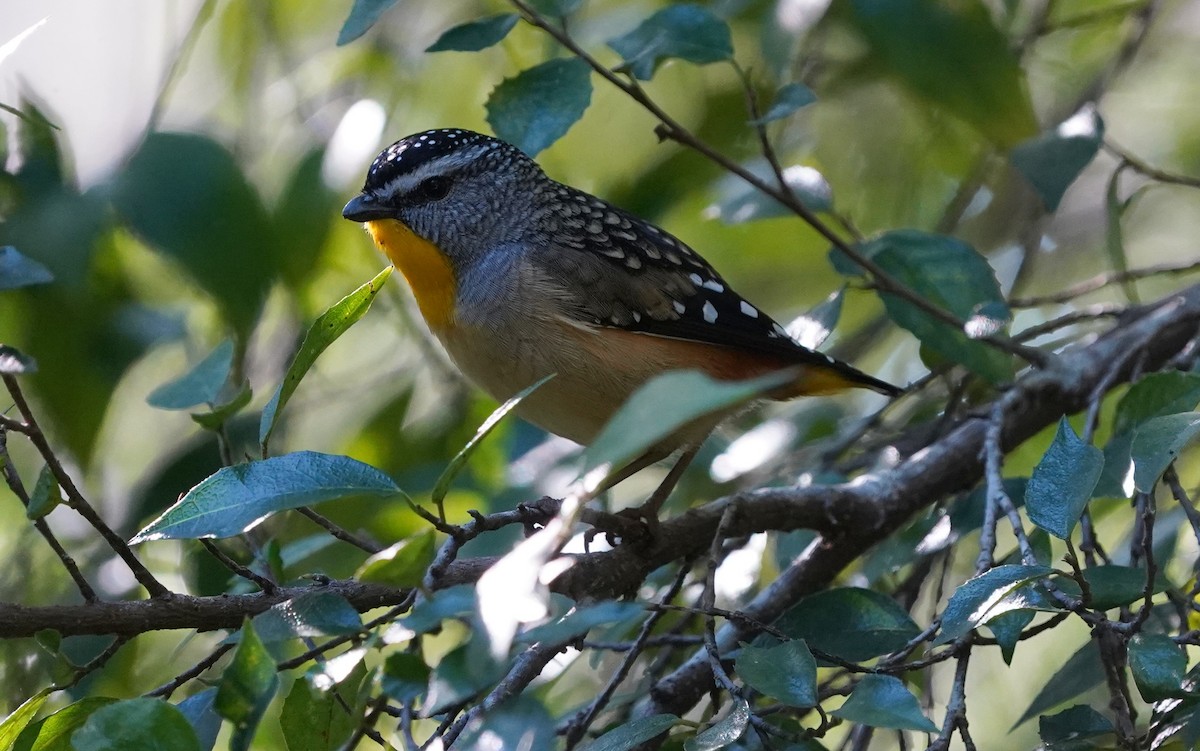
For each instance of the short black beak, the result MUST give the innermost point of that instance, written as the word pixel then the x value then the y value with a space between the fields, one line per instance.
pixel 362 208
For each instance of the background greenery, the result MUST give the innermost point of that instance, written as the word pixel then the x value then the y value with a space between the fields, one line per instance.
pixel 214 216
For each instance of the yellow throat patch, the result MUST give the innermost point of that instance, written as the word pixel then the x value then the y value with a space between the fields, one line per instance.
pixel 426 268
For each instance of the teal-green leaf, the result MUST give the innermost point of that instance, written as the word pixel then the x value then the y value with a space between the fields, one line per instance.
pixel 236 498
pixel 324 331
pixel 247 687
pixel 53 733
pixel 456 678
pixel 475 35
pixel 1081 672
pixel 202 384
pixel 402 564
pixel 1157 442
pixel 199 711
pixel 442 486
pixel 684 31
pixel 315 613
pixel 46 495
pixel 664 404
pixel 633 733
pixel 16 270
pixel 976 599
pixel 136 725
pixel 1052 160
pixel 1062 482
pixel 363 16
pixel 220 414
pixel 788 99
pixel 951 274
pixel 187 196
pixel 15 362
pixel 1007 628
pixel 1114 586
pixel 519 723
pixel 581 620
pixel 1155 395
pixel 1157 664
pixel 738 201
pixel 1073 724
pixel 558 8
pixel 538 106
pixel 303 218
pixel 723 732
pixel 785 672
pixel 952 55
pixel 849 622
pixel 883 701
pixel 405 677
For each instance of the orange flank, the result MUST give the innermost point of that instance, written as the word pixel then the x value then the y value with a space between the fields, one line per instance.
pixel 427 270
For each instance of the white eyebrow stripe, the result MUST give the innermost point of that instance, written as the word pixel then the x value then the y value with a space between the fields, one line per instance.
pixel 441 165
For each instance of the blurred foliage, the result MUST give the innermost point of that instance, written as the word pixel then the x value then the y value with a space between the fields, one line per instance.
pixel 216 217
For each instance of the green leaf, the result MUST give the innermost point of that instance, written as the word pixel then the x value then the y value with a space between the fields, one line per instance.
pixel 1007 628
pixel 302 220
pixel 1081 672
pixel 429 612
pixel 403 564
pixel 664 404
pixel 1156 395
pixel 315 613
pixel 15 362
pixel 313 719
pixel 1062 482
pixel 223 238
pixel 476 35
pixel 684 31
pixel 814 327
pixel 247 687
pixel 1157 664
pixel 1116 586
pixel 15 723
pixel 136 725
pixel 952 55
pixel 220 414
pixel 457 678
pixel 362 17
pixel 1157 442
pixel 46 495
pixel 538 106
pixel 786 672
pixel 724 732
pixel 54 732
pixel 236 498
pixel 788 99
pixel 405 677
pixel 199 711
pixel 442 486
pixel 202 384
pixel 16 270
pixel 1073 724
pixel 633 733
pixel 557 8
pixel 519 723
pixel 581 620
pixel 976 599
pixel 1052 161
pixel 848 622
pixel 324 331
pixel 882 701
pixel 952 275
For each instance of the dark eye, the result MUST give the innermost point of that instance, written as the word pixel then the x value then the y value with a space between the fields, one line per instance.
pixel 433 188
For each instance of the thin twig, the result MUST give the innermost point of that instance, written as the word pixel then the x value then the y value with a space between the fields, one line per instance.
pixel 164 691
pixel 265 584
pixel 1100 281
pixel 338 532
pixel 74 498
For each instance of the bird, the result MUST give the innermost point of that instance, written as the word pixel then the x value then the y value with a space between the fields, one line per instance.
pixel 521 277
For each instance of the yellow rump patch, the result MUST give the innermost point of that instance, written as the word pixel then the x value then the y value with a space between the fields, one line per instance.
pixel 426 268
